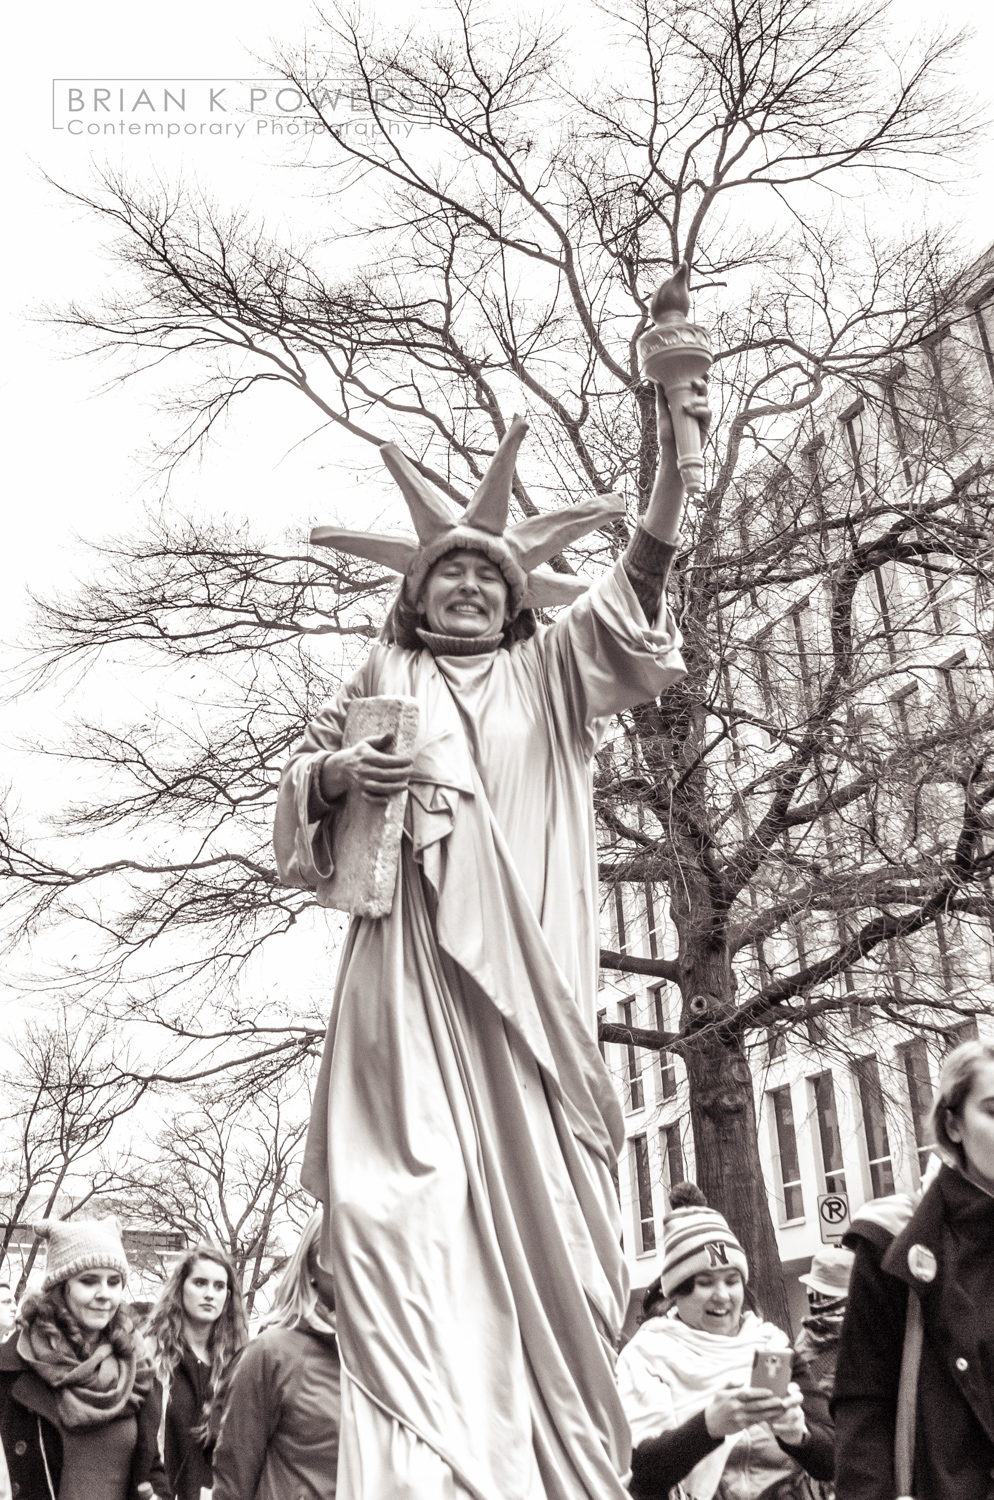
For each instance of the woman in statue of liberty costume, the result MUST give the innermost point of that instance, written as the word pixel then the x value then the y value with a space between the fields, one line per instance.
pixel 464 1127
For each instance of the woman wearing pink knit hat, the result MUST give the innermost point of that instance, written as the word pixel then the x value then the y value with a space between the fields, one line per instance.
pixel 79 1409
pixel 698 1418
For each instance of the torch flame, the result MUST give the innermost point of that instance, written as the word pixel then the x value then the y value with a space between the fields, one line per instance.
pixel 672 296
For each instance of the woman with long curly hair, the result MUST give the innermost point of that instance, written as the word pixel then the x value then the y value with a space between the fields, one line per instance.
pixel 79 1403
pixel 195 1329
pixel 279 1431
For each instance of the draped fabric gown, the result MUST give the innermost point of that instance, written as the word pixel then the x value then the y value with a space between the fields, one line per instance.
pixel 464 1126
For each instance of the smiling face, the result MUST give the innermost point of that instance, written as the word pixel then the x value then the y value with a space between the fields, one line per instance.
pixel 205 1291
pixel 93 1297
pixel 973 1127
pixel 714 1304
pixel 465 594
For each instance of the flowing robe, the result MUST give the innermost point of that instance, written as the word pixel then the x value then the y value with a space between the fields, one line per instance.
pixel 464 1127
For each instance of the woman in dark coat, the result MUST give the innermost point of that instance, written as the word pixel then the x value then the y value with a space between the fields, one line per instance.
pixel 942 1253
pixel 279 1427
pixel 195 1330
pixel 79 1407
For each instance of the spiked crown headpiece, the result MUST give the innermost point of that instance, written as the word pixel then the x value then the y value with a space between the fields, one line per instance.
pixel 517 550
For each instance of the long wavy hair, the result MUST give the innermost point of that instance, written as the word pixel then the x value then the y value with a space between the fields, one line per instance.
pixel 164 1329
pixel 296 1300
pixel 49 1312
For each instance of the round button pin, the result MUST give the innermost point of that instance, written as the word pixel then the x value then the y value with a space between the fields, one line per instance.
pixel 922 1263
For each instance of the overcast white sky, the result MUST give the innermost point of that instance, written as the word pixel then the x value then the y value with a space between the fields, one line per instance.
pixel 74 452
pixel 75 455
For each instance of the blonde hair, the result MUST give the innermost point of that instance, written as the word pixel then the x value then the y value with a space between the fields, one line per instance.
pixel 296 1299
pixel 959 1070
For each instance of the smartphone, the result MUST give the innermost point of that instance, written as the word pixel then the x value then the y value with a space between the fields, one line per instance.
pixel 771 1370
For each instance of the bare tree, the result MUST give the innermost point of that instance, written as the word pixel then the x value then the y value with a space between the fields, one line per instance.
pixel 65 1100
pixel 225 1170
pixel 516 229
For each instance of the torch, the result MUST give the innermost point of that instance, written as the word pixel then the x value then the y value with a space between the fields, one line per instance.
pixel 672 354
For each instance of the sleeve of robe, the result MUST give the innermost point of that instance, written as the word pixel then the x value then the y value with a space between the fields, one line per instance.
pixel 608 656
pixel 304 822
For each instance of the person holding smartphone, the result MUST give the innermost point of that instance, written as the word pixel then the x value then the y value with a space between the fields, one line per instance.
pixel 717 1400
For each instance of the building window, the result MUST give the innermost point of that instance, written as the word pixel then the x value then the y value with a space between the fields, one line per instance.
pixel 645 1226
pixel 985 342
pixel 636 1093
pixel 619 914
pixel 801 651
pixel 935 351
pixel 762 646
pixel 790 1167
pixel 858 1014
pixel 903 702
pixel 665 1062
pixel 601 1016
pixel 849 419
pixel 829 1133
pixel 931 587
pixel 896 420
pixel 894 964
pixel 733 729
pixel 914 1055
pixel 953 674
pixel 874 1126
pixel 945 962
pixel 884 608
pixel 811 453
pixel 966 1031
pixel 671 1150
pixel 650 919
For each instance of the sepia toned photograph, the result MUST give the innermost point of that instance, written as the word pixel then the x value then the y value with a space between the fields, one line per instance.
pixel 497 752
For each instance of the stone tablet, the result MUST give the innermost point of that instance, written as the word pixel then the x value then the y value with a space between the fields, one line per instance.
pixel 366 837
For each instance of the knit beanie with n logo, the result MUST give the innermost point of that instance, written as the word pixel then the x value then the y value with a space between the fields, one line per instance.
pixel 695 1240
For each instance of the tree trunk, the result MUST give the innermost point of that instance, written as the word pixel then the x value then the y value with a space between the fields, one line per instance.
pixel 723 1117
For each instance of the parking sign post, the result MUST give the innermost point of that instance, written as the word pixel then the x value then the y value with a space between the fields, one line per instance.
pixel 833 1217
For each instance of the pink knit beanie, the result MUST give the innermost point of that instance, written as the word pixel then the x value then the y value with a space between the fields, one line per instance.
pixel 76 1245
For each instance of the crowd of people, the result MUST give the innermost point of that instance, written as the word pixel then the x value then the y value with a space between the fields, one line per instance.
pixel 889 1386
pixel 94 1407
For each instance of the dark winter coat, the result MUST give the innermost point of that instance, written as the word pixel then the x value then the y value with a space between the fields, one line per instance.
pixel 818 1341
pixel 279 1431
pixel 944 1255
pixel 188 1465
pixel 27 1409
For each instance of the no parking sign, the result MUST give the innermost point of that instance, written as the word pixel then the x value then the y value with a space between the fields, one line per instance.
pixel 833 1216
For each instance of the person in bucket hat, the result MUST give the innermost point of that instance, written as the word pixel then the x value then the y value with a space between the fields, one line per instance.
pixel 471 1223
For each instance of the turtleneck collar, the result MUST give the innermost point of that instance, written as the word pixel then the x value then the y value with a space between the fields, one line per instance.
pixel 459 645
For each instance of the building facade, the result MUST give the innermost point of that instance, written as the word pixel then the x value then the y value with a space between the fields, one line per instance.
pixel 842 1098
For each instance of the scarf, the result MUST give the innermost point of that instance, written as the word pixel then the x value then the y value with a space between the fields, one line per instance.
pixel 88 1392
pixel 460 645
pixel 669 1372
pixel 322 1321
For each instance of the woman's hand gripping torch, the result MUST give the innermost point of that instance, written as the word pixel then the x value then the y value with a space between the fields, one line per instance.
pixel 676 356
